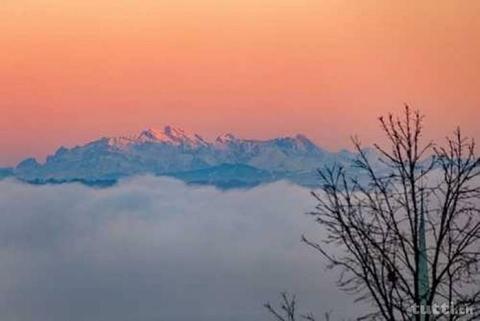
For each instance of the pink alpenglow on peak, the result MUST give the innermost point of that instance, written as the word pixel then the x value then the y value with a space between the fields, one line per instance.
pixel 169 135
pixel 225 138
pixel 172 135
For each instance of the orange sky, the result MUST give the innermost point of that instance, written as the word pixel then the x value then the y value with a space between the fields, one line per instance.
pixel 71 71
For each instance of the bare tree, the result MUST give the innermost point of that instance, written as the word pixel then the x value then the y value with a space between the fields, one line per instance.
pixel 406 230
pixel 288 310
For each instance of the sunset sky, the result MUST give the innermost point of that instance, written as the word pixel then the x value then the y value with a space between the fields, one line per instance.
pixel 72 71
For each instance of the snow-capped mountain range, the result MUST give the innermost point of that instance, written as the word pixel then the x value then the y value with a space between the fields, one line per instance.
pixel 227 161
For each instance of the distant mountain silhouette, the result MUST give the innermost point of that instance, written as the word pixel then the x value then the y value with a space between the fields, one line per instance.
pixel 226 162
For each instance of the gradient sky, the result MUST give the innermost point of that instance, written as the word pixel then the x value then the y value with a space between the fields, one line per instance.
pixel 71 71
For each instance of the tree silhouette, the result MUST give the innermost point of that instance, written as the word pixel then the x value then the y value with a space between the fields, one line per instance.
pixel 288 310
pixel 403 228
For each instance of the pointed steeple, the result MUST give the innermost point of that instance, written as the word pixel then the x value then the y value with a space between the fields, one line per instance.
pixel 423 283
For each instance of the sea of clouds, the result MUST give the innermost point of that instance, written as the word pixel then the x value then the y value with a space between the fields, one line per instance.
pixel 154 248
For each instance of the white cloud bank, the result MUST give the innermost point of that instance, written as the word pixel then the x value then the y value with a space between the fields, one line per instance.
pixel 156 249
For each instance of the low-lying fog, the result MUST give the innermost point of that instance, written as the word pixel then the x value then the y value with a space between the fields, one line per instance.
pixel 157 249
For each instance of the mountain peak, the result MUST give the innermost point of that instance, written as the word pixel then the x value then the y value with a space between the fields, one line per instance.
pixel 304 140
pixel 225 138
pixel 150 134
pixel 171 135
